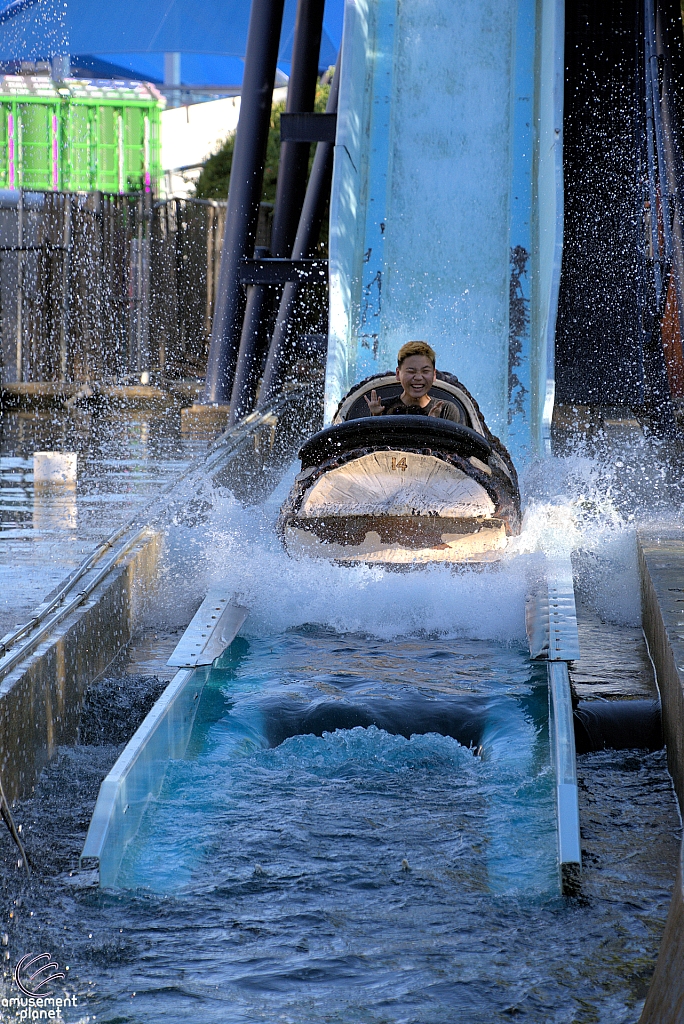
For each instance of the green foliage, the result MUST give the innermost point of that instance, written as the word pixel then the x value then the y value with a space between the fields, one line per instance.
pixel 214 180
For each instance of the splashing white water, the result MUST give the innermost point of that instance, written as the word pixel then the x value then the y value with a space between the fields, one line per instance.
pixel 594 505
pixel 577 504
pixel 241 550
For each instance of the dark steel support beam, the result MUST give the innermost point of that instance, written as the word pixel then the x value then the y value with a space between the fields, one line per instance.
pixel 317 192
pixel 308 127
pixel 246 181
pixel 251 354
pixel 290 191
pixel 294 156
pixel 269 271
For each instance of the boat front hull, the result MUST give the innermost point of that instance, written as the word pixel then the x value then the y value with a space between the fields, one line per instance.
pixel 395 539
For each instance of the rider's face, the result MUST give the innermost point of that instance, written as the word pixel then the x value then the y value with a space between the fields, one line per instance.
pixel 416 375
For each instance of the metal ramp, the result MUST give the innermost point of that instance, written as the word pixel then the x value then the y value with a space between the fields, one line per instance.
pixel 138 775
pixel 551 622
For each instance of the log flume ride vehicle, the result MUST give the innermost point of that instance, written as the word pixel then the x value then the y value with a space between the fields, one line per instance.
pixel 403 488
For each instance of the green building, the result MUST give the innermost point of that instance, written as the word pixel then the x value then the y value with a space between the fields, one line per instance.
pixel 79 135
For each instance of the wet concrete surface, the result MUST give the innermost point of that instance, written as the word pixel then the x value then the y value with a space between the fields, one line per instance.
pixel 124 459
pixel 614 661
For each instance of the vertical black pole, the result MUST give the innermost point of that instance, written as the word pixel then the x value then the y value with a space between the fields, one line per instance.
pixel 246 181
pixel 308 231
pixel 290 191
pixel 294 156
pixel 251 352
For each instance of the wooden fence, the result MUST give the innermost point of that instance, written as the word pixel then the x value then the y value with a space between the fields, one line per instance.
pixel 103 287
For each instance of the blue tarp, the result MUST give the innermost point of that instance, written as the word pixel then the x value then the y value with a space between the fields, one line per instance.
pixel 125 27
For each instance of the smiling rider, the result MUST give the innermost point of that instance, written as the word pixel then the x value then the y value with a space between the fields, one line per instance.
pixel 416 373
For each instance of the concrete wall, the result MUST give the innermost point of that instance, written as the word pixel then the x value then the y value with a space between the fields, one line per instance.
pixel 40 701
pixel 661 561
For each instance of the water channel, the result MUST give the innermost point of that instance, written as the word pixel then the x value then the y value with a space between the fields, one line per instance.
pixel 360 874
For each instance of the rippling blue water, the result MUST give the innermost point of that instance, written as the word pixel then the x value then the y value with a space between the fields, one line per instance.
pixel 344 876
pixel 354 803
pixel 360 875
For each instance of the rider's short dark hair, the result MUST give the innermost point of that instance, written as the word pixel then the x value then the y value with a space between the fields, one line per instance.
pixel 415 348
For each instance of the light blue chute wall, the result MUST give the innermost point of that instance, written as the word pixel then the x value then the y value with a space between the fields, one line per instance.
pixel 148 26
pixel 447 182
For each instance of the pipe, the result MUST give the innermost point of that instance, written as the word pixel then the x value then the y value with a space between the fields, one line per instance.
pixel 294 156
pixel 308 231
pixel 250 355
pixel 6 814
pixel 246 181
pixel 291 189
pixel 617 725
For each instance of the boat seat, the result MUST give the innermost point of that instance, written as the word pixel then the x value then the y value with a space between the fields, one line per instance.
pixel 355 406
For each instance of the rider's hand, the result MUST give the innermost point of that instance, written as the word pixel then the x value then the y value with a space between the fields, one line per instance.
pixel 374 404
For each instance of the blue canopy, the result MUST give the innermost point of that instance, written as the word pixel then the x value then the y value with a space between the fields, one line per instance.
pixel 38 29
